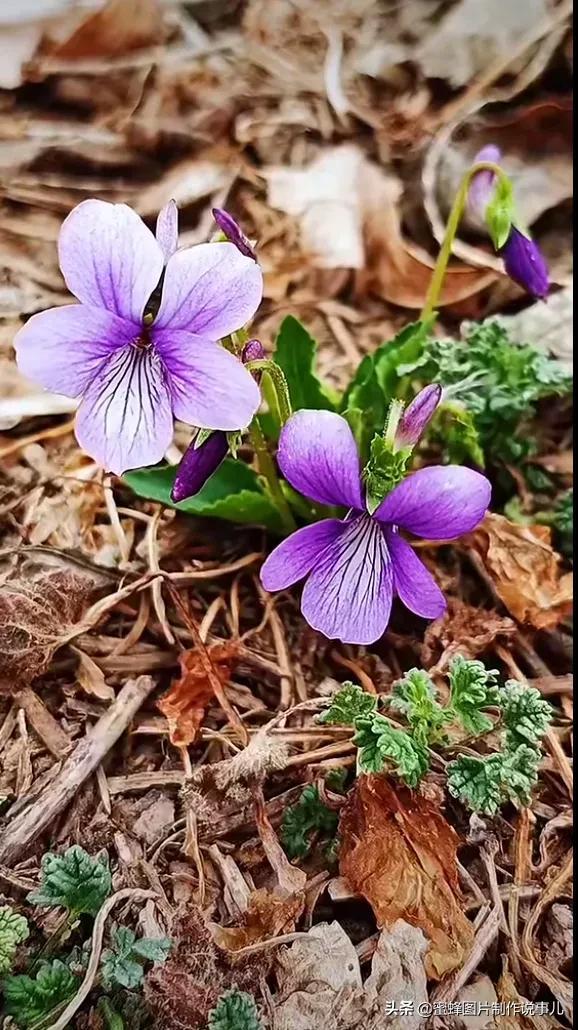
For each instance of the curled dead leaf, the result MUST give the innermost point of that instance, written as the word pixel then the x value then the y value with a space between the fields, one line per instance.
pixel 399 852
pixel 269 915
pixel 465 630
pixel 524 570
pixel 185 702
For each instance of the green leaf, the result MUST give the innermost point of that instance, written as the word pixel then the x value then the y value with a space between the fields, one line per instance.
pixel 233 493
pixel 393 359
pixel 13 931
pixel 455 428
pixel 380 743
pixel 74 880
pixel 295 352
pixel 477 782
pixel 415 696
pixel 300 821
pixel 122 965
pixel 347 705
pixel 525 714
pixel 500 212
pixel 473 688
pixel 520 772
pixel 235 1010
pixel 364 406
pixel 28 1000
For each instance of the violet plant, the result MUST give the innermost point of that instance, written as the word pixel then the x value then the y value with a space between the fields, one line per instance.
pixel 162 333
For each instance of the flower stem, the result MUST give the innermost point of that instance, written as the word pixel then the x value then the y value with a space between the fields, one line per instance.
pixel 269 473
pixel 441 265
pixel 278 382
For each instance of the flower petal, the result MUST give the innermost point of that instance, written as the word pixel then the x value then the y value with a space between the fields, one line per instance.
pixel 318 455
pixel 109 258
pixel 198 465
pixel 63 348
pixel 295 557
pixel 167 229
pixel 348 595
pixel 412 582
pixel 125 419
pixel 440 502
pixel 210 388
pixel 210 290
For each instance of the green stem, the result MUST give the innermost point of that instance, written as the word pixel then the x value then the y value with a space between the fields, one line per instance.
pixel 438 274
pixel 278 382
pixel 269 473
pixel 50 946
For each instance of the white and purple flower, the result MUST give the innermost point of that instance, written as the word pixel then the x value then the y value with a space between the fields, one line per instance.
pixel 135 368
pixel 356 565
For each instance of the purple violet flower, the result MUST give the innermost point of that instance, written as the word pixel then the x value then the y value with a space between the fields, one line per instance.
pixel 134 372
pixel 525 264
pixel 253 351
pixel 416 416
pixel 232 230
pixel 354 566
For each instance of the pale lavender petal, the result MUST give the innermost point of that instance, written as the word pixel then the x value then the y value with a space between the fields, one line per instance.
pixel 109 258
pixel 417 416
pixel 483 183
pixel 210 388
pixel 62 348
pixel 125 419
pixel 295 557
pixel 167 229
pixel 412 582
pixel 440 502
pixel 318 455
pixel 348 595
pixel 210 290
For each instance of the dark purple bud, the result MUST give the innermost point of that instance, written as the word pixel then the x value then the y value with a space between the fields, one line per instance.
pixel 167 229
pixel 483 183
pixel 253 351
pixel 198 465
pixel 416 416
pixel 525 264
pixel 232 230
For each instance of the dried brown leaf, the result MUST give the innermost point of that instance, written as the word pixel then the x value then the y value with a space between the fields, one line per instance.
pixel 525 570
pixel 91 677
pixel 399 852
pixel 269 915
pixel 185 702
pixel 464 630
pixel 36 616
pixel 119 27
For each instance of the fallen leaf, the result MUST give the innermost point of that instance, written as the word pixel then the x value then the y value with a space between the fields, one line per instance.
pixel 398 851
pixel 465 630
pixel 515 1005
pixel 398 976
pixel 185 702
pixel 36 616
pixel 524 569
pixel 22 27
pixel 348 211
pixel 155 820
pixel 474 1006
pixel 549 327
pixel 558 939
pixel 91 677
pixel 268 915
pixel 119 27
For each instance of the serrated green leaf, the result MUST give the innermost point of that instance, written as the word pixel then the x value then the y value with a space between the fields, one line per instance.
pixel 122 965
pixel 364 406
pixel 500 212
pixel 28 1000
pixel 525 714
pixel 295 353
pixel 520 772
pixel 300 821
pixel 153 949
pixel 393 359
pixel 232 493
pixel 473 688
pixel 75 880
pixel 380 743
pixel 13 931
pixel 235 1010
pixel 415 696
pixel 347 705
pixel 477 782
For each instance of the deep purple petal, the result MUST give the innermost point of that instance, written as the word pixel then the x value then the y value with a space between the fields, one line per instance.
pixel 412 582
pixel 232 230
pixel 253 351
pixel 167 229
pixel 417 415
pixel 483 183
pixel 210 290
pixel 125 419
pixel 109 258
pixel 198 465
pixel 210 388
pixel 440 502
pixel 348 595
pixel 295 557
pixel 62 348
pixel 525 264
pixel 318 455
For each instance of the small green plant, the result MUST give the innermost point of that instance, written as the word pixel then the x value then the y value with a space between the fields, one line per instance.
pixel 308 817
pixel 481 782
pixel 235 1010
pixel 122 965
pixel 74 880
pixel 13 931
pixel 30 999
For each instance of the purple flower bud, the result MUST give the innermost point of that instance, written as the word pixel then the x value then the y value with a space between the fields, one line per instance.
pixel 253 351
pixel 483 183
pixel 232 230
pixel 198 465
pixel 167 230
pixel 525 264
pixel 416 416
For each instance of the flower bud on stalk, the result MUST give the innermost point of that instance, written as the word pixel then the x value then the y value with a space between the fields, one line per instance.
pixel 416 416
pixel 233 232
